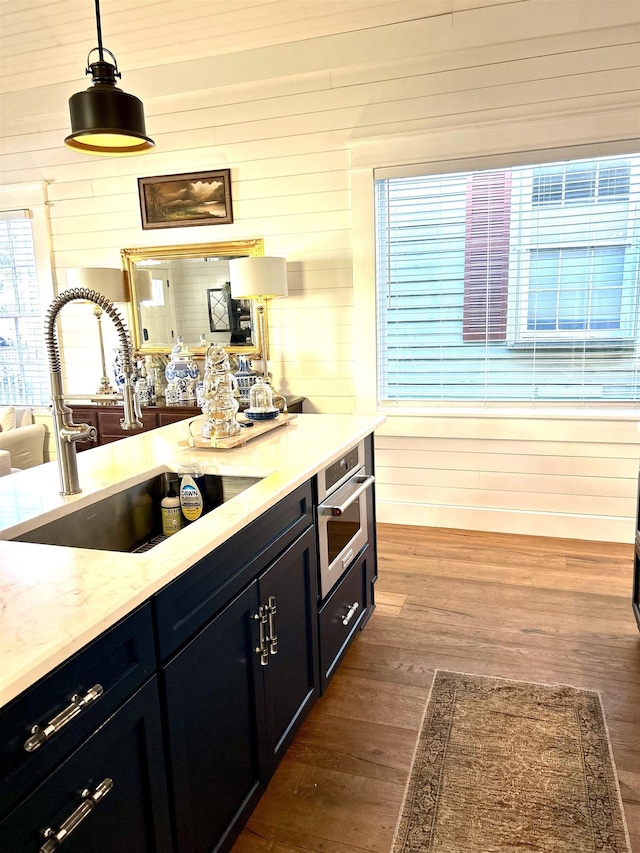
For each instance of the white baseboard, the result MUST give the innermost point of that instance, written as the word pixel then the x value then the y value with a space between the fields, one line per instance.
pixel 592 528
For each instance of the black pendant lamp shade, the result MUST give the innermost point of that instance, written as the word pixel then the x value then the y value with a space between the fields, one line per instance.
pixel 104 119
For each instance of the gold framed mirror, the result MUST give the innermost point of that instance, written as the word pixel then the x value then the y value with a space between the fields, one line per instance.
pixel 182 290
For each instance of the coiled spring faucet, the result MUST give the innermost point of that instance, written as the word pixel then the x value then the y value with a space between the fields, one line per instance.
pixel 66 432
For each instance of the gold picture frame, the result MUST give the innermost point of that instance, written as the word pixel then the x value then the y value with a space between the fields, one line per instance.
pixel 148 257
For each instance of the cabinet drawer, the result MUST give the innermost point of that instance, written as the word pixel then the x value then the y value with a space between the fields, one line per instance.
pixel 119 661
pixel 342 614
pixel 181 414
pixel 184 606
pixel 123 759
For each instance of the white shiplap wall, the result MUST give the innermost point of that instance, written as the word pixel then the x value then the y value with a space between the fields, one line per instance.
pixel 301 125
pixel 554 476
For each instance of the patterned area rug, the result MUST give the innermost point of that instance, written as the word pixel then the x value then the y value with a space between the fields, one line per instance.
pixel 508 766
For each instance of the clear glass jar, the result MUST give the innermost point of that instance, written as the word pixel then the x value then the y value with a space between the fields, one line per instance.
pixel 260 396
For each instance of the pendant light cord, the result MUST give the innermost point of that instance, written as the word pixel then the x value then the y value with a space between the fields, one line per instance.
pixel 101 50
pixel 99 28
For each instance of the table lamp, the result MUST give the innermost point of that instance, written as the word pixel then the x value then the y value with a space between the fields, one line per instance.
pixel 144 286
pixel 110 283
pixel 259 278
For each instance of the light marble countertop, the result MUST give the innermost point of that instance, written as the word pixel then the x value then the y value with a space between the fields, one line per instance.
pixel 54 599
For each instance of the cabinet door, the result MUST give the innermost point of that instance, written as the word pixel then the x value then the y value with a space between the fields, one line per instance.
pixel 290 676
pixel 123 759
pixel 215 714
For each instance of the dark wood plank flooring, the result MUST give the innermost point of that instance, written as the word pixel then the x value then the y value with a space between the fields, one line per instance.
pixel 532 608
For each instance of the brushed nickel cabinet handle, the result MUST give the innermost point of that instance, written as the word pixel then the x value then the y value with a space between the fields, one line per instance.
pixel 273 636
pixel 350 612
pixel 261 618
pixel 89 802
pixel 40 735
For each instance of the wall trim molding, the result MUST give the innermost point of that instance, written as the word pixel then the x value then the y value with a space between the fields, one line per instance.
pixel 589 527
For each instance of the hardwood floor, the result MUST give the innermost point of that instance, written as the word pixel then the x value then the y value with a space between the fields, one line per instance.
pixel 533 608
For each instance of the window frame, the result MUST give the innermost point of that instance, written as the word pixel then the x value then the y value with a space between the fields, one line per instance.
pixel 32 197
pixel 409 380
pixel 502 144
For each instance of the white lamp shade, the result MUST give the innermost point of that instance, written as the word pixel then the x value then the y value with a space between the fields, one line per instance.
pixel 109 282
pixel 144 286
pixel 252 278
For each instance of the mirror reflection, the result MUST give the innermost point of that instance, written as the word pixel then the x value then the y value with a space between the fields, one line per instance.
pixel 185 291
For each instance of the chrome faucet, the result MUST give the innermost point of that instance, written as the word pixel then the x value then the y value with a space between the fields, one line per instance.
pixel 66 432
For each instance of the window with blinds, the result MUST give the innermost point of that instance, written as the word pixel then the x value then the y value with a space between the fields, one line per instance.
pixel 514 284
pixel 24 374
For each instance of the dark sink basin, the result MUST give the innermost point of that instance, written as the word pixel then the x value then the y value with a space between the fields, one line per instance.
pixel 129 520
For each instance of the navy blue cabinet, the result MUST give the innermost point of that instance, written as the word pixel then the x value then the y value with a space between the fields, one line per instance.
pixel 188 704
pixel 76 697
pixel 288 591
pixel 344 612
pixel 215 726
pixel 108 796
pixel 187 603
pixel 235 695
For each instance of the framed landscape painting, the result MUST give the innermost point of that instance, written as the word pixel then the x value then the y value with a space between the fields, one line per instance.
pixel 196 198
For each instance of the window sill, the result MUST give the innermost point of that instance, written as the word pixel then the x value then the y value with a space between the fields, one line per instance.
pixel 515 412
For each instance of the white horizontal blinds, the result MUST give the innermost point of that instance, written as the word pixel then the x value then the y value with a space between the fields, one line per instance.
pixel 24 376
pixel 517 284
pixel 486 256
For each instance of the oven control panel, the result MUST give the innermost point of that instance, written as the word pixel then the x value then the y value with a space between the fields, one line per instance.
pixel 335 472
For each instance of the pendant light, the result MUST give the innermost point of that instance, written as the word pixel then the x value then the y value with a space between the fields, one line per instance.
pixel 104 119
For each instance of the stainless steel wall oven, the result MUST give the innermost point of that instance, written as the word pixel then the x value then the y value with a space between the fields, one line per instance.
pixel 342 515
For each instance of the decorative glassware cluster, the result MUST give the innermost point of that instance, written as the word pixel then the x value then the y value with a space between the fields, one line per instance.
pixel 220 404
pixel 182 374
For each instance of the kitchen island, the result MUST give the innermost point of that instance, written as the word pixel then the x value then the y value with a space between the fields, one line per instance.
pixel 60 603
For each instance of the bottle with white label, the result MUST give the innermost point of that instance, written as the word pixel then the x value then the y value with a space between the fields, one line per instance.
pixel 191 494
pixel 172 518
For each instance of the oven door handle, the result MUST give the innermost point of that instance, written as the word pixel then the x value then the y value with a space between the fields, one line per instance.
pixel 362 484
